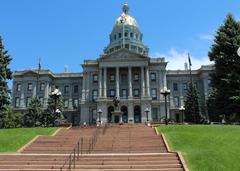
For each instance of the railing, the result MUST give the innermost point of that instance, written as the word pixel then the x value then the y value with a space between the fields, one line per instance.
pixel 70 162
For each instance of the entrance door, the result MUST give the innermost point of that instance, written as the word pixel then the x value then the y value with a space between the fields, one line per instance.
pixel 110 110
pixel 177 117
pixel 125 114
pixel 137 114
pixel 116 119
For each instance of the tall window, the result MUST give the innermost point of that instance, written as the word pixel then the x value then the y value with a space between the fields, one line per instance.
pixel 42 86
pixel 154 93
pixel 94 95
pixel 17 102
pixel 75 103
pixel 126 34
pixel 66 89
pixel 124 93
pixel 65 103
pixel 95 78
pixel 112 78
pixel 111 93
pixel 131 35
pixel 176 101
pixel 30 86
pixel 28 100
pixel 119 35
pixel 184 86
pixel 124 78
pixel 136 92
pixel 175 86
pixel 136 77
pixel 155 114
pixel 153 76
pixel 19 87
pixel 75 89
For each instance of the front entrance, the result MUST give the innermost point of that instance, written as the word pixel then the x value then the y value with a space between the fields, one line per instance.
pixel 137 114
pixel 110 110
pixel 116 119
pixel 125 114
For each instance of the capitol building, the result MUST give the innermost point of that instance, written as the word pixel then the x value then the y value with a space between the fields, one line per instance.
pixel 124 70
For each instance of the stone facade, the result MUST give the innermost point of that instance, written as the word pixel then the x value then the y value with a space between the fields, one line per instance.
pixel 124 70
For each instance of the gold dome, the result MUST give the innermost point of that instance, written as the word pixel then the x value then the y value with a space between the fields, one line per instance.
pixel 127 19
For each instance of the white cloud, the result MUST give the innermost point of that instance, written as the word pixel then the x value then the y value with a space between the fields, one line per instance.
pixel 206 37
pixel 177 59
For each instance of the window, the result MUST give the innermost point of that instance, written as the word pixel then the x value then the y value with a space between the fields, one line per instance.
pixel 119 35
pixel 115 37
pixel 17 102
pixel 133 47
pixel 153 76
pixel 136 36
pixel 28 100
pixel 94 95
pixel 19 87
pixel 75 88
pixel 111 93
pixel 75 103
pixel 41 100
pixel 209 83
pixel 112 78
pixel 65 103
pixel 30 87
pixel 95 78
pixel 127 46
pixel 126 34
pixel 136 77
pixel 184 86
pixel 140 50
pixel 124 78
pixel 175 87
pixel 42 86
pixel 176 101
pixel 131 35
pixel 154 93
pixel 155 114
pixel 136 92
pixel 66 89
pixel 124 93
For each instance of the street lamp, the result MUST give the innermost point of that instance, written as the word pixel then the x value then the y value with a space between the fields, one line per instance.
pixel 56 94
pixel 165 92
pixel 147 111
pixel 182 109
pixel 99 115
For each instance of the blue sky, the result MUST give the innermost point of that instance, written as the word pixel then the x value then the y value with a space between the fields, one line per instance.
pixel 65 32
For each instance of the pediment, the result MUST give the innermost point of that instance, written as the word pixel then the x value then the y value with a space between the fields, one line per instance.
pixel 30 73
pixel 123 55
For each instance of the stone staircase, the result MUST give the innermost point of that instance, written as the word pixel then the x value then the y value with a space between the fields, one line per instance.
pixel 116 148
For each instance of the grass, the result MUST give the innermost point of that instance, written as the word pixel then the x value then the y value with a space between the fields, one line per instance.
pixel 206 147
pixel 13 139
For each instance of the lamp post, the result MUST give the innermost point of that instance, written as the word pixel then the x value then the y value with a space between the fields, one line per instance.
pixel 165 92
pixel 147 111
pixel 182 109
pixel 56 94
pixel 99 115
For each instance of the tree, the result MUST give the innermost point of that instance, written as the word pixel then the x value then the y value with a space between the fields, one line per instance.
pixel 12 119
pixel 192 105
pixel 225 79
pixel 5 75
pixel 33 116
pixel 213 115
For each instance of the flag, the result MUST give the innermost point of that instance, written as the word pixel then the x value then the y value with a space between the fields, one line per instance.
pixel 189 60
pixel 39 65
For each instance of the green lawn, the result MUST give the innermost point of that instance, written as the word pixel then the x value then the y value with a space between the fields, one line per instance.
pixel 206 147
pixel 13 139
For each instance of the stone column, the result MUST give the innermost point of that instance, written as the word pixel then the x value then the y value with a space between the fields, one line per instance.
pixel 46 92
pixel 147 82
pixel 130 82
pixel 83 86
pixel 117 81
pixel 105 82
pixel 143 81
pixel 100 82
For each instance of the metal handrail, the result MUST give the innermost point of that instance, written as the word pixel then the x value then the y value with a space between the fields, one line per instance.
pixel 78 148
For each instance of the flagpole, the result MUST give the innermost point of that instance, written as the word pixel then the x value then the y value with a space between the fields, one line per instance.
pixel 39 68
pixel 190 64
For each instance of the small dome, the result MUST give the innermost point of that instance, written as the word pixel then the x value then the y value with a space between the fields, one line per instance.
pixel 127 19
